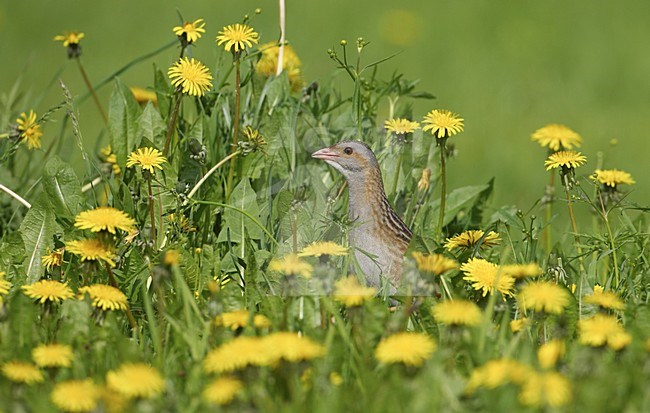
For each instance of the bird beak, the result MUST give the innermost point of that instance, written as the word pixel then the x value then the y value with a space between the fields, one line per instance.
pixel 325 154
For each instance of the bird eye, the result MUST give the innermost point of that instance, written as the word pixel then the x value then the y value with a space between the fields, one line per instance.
pixel 348 150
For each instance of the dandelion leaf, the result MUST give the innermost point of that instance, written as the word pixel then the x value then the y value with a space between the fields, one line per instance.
pixel 62 187
pixel 151 126
pixel 236 222
pixel 37 230
pixel 123 114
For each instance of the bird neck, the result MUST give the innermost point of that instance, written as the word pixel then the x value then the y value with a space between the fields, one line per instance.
pixel 366 194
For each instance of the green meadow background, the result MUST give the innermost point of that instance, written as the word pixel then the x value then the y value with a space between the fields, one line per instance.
pixel 508 67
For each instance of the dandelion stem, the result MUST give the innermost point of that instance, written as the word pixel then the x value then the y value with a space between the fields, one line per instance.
pixel 172 121
pixel 235 134
pixel 443 184
pixel 210 172
pixel 399 166
pixel 151 213
pixel 549 214
pixel 282 37
pixel 129 315
pixel 572 218
pixel 605 215
pixel 15 196
pixel 91 90
pixel 90 185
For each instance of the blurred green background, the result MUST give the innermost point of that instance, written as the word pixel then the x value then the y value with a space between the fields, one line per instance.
pixel 508 67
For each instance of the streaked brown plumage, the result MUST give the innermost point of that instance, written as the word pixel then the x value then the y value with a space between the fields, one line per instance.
pixel 378 234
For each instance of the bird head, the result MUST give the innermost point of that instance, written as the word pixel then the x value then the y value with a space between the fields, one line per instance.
pixel 354 159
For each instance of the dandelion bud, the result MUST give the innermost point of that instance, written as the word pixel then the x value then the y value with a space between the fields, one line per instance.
pixel 423 183
pixel 344 42
pixel 258 11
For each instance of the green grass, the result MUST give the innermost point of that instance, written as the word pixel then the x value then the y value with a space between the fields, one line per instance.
pixel 505 70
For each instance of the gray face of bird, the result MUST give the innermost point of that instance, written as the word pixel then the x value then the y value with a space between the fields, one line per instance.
pixel 354 159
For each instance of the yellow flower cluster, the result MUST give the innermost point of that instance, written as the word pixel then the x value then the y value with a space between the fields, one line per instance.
pixel 267 66
pixel 237 319
pixel 469 239
pixel 409 348
pixel 487 277
pixel 436 264
pixel 269 350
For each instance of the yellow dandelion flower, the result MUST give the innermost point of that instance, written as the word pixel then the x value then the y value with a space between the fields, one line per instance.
pixel 543 296
pixel 104 219
pixel 136 380
pixel 401 126
pixel 29 130
pixel 549 353
pixel 105 297
pixel 190 32
pixel 69 38
pixel 497 373
pixel 191 76
pixel 519 324
pixel 20 372
pixel 545 389
pixel 4 286
pixel 442 123
pixel 237 319
pixel 267 66
pixel 237 354
pixel 143 96
pixel 605 299
pixel 239 36
pixel 612 177
pixel 76 395
pixel 487 277
pixel 410 348
pixel 111 158
pixel 556 137
pixel 519 271
pixel 469 239
pixel 113 402
pixel 434 263
pixel 222 390
pixel 146 158
pixel 52 259
pixel 317 249
pixel 172 257
pixel 457 312
pixel 292 265
pixel 48 290
pixel 89 249
pixel 291 347
pixel 335 378
pixel 52 355
pixel 565 160
pixel 425 178
pixel 600 330
pixel 349 292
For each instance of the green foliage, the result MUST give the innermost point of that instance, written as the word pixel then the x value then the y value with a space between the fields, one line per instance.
pixel 201 249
